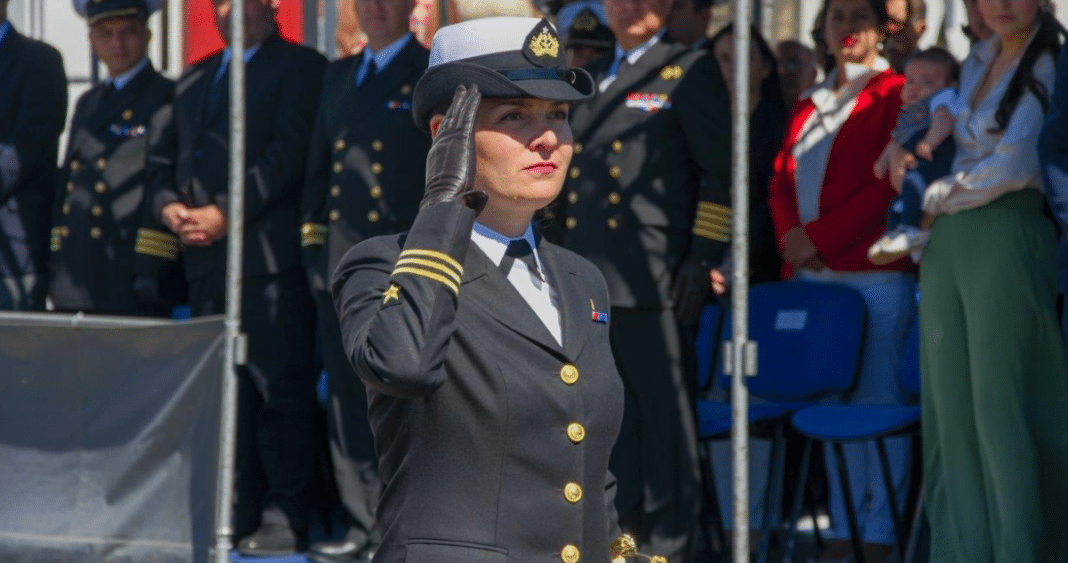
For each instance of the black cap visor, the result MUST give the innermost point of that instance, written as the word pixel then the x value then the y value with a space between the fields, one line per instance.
pixel 435 89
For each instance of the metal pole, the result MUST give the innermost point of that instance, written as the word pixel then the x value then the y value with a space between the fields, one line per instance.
pixel 741 349
pixel 235 344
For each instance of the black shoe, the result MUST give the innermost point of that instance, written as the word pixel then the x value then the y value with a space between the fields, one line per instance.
pixel 271 540
pixel 340 551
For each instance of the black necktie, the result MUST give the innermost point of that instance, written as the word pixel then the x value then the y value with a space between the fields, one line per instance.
pixel 108 92
pixel 372 70
pixel 520 249
pixel 219 91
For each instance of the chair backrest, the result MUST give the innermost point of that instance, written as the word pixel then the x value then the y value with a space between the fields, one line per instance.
pixel 707 344
pixel 910 361
pixel 810 337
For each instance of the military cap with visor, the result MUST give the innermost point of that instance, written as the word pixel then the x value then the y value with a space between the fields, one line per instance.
pixel 506 57
pixel 96 10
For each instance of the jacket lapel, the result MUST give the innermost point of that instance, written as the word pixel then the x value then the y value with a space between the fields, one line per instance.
pixel 573 296
pixel 105 111
pixel 499 298
pixel 9 51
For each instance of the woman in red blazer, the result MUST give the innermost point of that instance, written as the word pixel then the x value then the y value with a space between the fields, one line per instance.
pixel 828 208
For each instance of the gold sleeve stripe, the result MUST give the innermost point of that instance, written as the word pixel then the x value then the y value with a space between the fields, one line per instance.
pixel 169 256
pixel 715 215
pixel 712 235
pixel 713 207
pixel 158 236
pixel 434 254
pixel 313 229
pixel 429 275
pixel 312 240
pixel 714 226
pixel 430 264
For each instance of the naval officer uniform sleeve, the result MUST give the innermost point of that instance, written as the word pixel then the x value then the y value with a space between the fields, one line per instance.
pixel 396 299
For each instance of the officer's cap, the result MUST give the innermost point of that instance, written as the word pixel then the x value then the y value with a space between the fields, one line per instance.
pixel 96 10
pixel 584 23
pixel 507 57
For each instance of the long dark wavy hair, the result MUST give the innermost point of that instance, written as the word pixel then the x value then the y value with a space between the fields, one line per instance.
pixel 1047 40
pixel 770 89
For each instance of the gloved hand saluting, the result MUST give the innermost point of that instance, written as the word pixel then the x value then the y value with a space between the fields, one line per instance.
pixel 450 165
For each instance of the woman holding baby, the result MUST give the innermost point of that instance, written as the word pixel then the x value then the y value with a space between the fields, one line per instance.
pixel 995 384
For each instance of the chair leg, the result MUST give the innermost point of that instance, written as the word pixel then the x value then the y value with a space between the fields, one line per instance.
pixel 790 543
pixel 891 495
pixel 773 494
pixel 712 521
pixel 847 496
pixel 812 496
pixel 918 528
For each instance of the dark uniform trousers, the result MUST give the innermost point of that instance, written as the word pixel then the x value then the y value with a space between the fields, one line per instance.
pixel 33 112
pixel 276 448
pixel 648 190
pixel 366 172
pixel 103 233
pixel 493 439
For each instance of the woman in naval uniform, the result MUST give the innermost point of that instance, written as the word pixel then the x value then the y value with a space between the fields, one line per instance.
pixel 494 398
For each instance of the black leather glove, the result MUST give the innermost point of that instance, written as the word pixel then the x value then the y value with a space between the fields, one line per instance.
pixel 147 295
pixel 691 290
pixel 450 165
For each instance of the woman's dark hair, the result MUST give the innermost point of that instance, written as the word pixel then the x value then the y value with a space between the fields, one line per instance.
pixel 1047 40
pixel 878 7
pixel 770 90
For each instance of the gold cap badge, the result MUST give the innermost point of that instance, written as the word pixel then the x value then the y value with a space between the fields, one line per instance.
pixel 545 44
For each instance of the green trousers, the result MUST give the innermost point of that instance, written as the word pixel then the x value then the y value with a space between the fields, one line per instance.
pixel 995 387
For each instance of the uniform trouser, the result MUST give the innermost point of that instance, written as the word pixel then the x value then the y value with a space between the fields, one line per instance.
pixel 890 298
pixel 351 442
pixel 995 387
pixel 655 459
pixel 276 453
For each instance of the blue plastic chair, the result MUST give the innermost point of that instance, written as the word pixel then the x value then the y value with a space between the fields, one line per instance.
pixel 809 338
pixel 838 424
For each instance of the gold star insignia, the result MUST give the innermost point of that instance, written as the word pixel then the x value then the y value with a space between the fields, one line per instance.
pixel 393 293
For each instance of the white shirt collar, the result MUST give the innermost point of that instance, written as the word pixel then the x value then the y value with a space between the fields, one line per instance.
pixel 123 79
pixel 636 53
pixel 495 244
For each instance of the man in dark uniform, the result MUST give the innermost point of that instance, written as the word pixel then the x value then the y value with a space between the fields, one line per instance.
pixel 108 254
pixel 33 110
pixel 189 174
pixel 366 171
pixel 688 22
pixel 647 201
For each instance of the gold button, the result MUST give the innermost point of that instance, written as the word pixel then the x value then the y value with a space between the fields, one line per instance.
pixel 335 215
pixel 338 168
pixel 613 223
pixel 572 197
pixel 373 216
pixel 617 146
pixel 97 210
pixel 66 209
pixel 75 165
pixel 95 232
pixel 339 144
pixel 575 432
pixel 573 492
pixel 101 163
pixel 376 192
pixel 335 190
pixel 569 373
pixel 570 554
pixel 615 171
pixel 70 187
pixel 100 187
pixel 574 172
pixel 127 114
pixel 376 145
pixel 571 222
pixel 614 198
pixel 406 89
pixel 376 168
pixel 578 148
